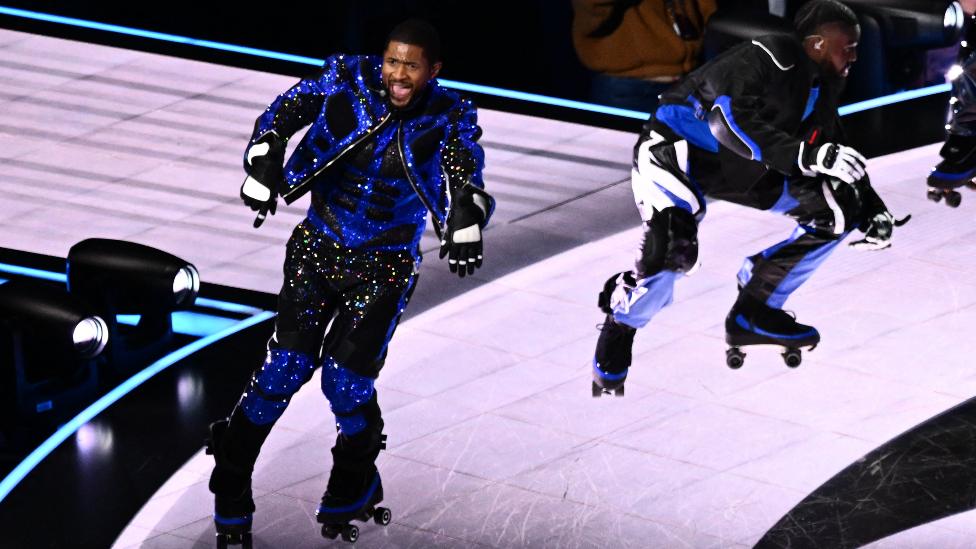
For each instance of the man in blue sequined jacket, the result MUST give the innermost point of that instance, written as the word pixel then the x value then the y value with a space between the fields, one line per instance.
pixel 386 147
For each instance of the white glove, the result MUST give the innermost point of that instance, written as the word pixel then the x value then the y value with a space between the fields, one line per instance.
pixel 263 164
pixel 838 161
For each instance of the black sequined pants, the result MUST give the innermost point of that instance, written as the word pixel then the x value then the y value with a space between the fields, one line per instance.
pixel 338 309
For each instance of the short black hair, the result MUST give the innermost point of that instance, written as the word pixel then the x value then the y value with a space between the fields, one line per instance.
pixel 418 32
pixel 821 12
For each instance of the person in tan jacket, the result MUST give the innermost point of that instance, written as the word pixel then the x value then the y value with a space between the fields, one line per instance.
pixel 637 48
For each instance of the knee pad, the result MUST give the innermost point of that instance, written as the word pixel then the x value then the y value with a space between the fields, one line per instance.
pixel 670 243
pixel 347 393
pixel 272 386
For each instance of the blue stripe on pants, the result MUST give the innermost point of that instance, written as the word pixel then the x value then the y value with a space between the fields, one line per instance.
pixel 745 273
pixel 643 302
pixel 801 272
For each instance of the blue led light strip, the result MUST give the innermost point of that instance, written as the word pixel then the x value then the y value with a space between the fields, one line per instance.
pixel 464 86
pixel 69 429
pixel 157 35
pixel 544 99
pixel 33 273
pixel 893 98
pixel 476 88
pixel 226 306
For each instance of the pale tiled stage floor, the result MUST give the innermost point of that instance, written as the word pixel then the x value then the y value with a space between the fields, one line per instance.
pixel 494 438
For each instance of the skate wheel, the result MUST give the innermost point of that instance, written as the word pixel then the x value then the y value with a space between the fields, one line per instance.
pixel 934 195
pixel 330 531
pixel 792 358
pixel 619 391
pixel 734 358
pixel 221 541
pixel 953 199
pixel 597 391
pixel 350 533
pixel 382 516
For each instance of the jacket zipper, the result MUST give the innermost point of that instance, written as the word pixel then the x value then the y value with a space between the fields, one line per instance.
pixel 386 118
pixel 406 169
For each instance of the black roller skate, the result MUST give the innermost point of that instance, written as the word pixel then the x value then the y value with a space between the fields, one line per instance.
pixel 234 444
pixel 613 357
pixel 751 322
pixel 351 495
pixel 957 169
pixel 233 500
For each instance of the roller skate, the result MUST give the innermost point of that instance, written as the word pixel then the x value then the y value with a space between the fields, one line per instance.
pixel 233 500
pixel 751 322
pixel 957 169
pixel 351 495
pixel 613 357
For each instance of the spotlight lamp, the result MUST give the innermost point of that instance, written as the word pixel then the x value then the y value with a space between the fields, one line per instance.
pixel 50 343
pixel 125 278
pixel 63 322
pixel 915 23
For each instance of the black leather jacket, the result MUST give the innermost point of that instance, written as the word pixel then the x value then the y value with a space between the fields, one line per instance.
pixel 748 115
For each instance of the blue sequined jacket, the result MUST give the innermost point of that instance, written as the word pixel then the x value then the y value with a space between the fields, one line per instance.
pixel 345 104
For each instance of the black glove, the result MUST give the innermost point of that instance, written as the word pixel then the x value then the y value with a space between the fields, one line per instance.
pixel 263 162
pixel 462 240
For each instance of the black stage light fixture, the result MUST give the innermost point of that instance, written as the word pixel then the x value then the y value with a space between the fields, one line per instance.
pixel 895 35
pixel 126 278
pixel 914 23
pixel 50 344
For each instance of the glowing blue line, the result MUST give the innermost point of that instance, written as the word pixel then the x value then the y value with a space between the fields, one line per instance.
pixel 187 322
pixel 893 98
pixel 477 88
pixel 158 35
pixel 35 273
pixel 545 99
pixel 226 306
pixel 27 465
pixel 464 86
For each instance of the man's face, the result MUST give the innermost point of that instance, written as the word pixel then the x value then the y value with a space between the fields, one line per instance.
pixel 406 72
pixel 837 49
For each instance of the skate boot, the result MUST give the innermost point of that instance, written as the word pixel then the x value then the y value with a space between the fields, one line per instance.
pixel 612 359
pixel 957 168
pixel 230 480
pixel 351 495
pixel 751 322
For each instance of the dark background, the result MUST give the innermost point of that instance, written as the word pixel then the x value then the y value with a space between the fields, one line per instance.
pixel 522 44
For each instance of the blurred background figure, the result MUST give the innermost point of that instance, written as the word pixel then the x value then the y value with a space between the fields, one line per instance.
pixel 638 48
pixel 958 165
